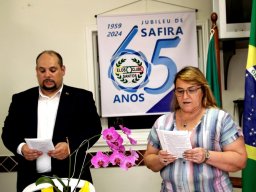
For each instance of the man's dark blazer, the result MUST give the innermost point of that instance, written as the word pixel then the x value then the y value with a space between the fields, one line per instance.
pixel 77 119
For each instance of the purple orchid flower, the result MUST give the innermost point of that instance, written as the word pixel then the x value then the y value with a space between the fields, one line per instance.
pixel 134 154
pixel 132 141
pixel 116 145
pixel 116 158
pixel 112 146
pixel 125 130
pixel 128 162
pixel 100 160
pixel 110 134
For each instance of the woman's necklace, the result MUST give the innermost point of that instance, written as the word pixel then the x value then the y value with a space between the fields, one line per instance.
pixel 185 124
pixel 191 119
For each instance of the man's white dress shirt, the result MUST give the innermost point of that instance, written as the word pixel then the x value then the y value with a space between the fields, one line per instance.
pixel 46 115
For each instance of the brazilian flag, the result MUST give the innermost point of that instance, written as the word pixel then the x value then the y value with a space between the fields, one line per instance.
pixel 249 115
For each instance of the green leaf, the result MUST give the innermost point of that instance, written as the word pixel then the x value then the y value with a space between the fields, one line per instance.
pixel 59 179
pixel 48 180
pixel 45 180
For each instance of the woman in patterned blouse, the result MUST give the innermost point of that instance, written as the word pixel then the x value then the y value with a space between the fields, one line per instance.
pixel 217 141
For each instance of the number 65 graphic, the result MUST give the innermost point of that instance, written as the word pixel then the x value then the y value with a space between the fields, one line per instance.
pixel 156 59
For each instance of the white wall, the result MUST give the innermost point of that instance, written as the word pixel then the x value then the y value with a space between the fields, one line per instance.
pixel 30 26
pixel 135 179
pixel 8 182
pixel 235 86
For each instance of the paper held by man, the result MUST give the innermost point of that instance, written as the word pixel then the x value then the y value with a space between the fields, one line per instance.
pixel 43 145
pixel 174 142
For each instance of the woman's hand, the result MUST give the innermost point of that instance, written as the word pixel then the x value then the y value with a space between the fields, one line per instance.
pixel 196 155
pixel 166 158
pixel 156 159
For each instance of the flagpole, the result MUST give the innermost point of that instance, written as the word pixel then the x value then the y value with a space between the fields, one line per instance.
pixel 214 27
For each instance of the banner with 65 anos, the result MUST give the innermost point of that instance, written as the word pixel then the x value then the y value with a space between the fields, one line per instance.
pixel 139 56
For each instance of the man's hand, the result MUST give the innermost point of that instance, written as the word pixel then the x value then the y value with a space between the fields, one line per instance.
pixel 60 152
pixel 30 154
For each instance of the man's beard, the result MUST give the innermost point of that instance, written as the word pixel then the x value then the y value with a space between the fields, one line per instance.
pixel 52 88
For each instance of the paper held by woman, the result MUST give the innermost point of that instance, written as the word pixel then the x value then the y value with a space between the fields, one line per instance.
pixel 175 142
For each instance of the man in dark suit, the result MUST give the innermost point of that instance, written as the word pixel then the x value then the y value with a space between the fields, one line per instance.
pixel 65 114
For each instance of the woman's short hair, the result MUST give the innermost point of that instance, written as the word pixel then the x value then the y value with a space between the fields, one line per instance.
pixel 194 76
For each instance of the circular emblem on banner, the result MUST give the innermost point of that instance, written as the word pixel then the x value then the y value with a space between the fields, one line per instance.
pixel 129 71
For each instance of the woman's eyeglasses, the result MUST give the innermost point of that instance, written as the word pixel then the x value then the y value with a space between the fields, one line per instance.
pixel 190 91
